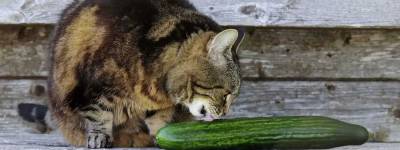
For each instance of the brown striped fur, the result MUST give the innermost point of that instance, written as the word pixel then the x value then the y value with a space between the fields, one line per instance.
pixel 121 69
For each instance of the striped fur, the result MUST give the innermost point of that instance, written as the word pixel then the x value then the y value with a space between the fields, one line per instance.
pixel 121 69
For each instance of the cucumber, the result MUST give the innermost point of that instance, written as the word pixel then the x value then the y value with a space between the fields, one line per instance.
pixel 292 132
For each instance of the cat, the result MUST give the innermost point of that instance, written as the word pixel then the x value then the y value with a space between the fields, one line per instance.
pixel 122 69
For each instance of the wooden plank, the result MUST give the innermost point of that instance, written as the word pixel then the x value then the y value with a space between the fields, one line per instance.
pixel 276 13
pixel 303 13
pixel 368 146
pixel 13 92
pixel 31 11
pixel 265 54
pixel 321 53
pixel 371 146
pixel 35 147
pixel 375 105
pixel 23 50
pixel 14 135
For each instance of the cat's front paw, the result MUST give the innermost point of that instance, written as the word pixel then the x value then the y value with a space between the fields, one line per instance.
pixel 98 140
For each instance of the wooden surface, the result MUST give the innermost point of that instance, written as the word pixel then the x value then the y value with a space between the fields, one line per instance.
pixel 321 53
pixel 368 146
pixel 374 105
pixel 347 74
pixel 23 50
pixel 14 136
pixel 352 75
pixel 297 54
pixel 276 13
pixel 13 92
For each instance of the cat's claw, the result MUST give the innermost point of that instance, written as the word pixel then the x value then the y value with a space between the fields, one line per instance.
pixel 98 140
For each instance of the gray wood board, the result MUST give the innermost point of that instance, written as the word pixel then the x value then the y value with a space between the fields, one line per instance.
pixel 23 50
pixel 375 105
pixel 16 132
pixel 266 53
pixel 281 13
pixel 14 135
pixel 320 53
pixel 368 146
pixel 372 146
pixel 13 92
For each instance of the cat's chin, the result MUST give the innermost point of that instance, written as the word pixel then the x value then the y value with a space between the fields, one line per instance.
pixel 207 118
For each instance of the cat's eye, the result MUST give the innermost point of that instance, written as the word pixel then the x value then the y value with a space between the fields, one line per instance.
pixel 206 86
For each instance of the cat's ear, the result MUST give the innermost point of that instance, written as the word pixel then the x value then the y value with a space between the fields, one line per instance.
pixel 224 44
pixel 239 40
pixel 223 41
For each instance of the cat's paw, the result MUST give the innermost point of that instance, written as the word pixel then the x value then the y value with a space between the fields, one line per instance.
pixel 98 140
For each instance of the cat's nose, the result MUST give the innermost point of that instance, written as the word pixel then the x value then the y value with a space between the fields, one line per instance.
pixel 203 111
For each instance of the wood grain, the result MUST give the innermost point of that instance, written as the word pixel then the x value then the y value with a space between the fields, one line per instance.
pixel 23 50
pixel 13 92
pixel 295 54
pixel 14 135
pixel 368 146
pixel 276 13
pixel 374 105
pixel 371 146
pixel 351 75
pixel 321 53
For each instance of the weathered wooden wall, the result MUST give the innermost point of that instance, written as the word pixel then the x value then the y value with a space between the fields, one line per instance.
pixel 277 13
pixel 341 60
pixel 348 74
pixel 332 54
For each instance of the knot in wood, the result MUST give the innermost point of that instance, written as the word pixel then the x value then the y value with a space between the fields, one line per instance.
pixel 330 86
pixel 396 113
pixel 38 90
pixel 252 10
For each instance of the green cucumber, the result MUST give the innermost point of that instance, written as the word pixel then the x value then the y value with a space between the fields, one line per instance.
pixel 292 132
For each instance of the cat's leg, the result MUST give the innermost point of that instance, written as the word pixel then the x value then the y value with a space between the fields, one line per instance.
pixel 99 121
pixel 158 119
pixel 133 133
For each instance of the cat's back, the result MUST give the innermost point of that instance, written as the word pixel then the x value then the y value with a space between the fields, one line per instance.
pixel 88 26
pixel 93 34
pixel 120 15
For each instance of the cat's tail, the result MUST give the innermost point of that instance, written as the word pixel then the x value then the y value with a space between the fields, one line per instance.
pixel 38 115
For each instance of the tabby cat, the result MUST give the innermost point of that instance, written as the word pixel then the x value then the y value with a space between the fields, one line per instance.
pixel 122 69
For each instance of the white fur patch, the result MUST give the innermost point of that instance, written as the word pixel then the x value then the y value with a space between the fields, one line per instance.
pixel 196 106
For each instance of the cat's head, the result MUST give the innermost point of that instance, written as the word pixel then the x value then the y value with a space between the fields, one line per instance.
pixel 207 79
